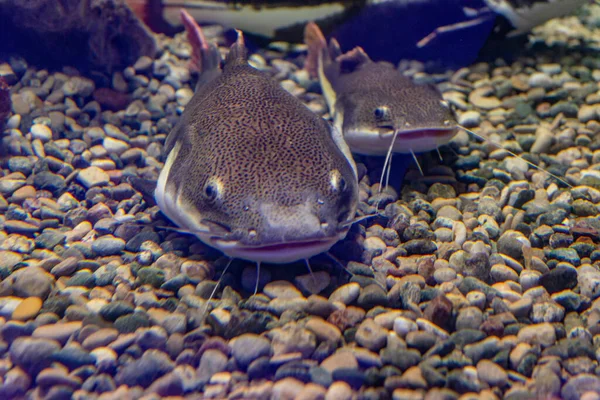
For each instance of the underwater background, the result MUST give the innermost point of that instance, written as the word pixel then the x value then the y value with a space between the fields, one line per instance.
pixel 479 277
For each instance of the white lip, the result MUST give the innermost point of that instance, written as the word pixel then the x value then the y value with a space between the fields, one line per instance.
pixel 373 143
pixel 276 253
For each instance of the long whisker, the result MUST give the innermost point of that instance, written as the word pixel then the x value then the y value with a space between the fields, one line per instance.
pixel 339 263
pixel 485 139
pixel 387 176
pixel 168 228
pixel 257 277
pixel 358 219
pixel 179 230
pixel 311 272
pixel 212 294
pixel 388 157
pixel 439 153
pixel 417 162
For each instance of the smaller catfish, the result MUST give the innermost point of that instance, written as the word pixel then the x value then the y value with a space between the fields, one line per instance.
pixel 378 110
pixel 250 169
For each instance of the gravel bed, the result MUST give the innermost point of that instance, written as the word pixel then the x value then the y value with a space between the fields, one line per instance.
pixel 480 279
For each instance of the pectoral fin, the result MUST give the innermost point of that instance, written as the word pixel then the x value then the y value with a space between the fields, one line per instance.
pixel 146 187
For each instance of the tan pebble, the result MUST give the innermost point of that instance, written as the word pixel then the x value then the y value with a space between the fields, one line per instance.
pixel 590 396
pixel 279 305
pixel 517 354
pixel 339 391
pixel 371 335
pixel 386 319
pixel 413 278
pixel 23 193
pixel 221 378
pixel 542 334
pixel 323 330
pixel 281 290
pixel 287 388
pixel 346 294
pixel 482 98
pixel 257 391
pixel 28 309
pixel 491 373
pixel 59 332
pixel 342 359
pixel 215 391
pixel 312 391
pixel 414 377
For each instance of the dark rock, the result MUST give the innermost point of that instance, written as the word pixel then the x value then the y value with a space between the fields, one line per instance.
pixel 115 309
pixel 131 322
pixel 46 180
pixel 559 279
pixel 49 239
pixel 321 376
pixel 151 276
pixel 371 296
pixel 294 369
pixel 33 354
pixel 354 377
pixel 439 311
pixel 403 359
pixel 152 365
pixel 135 242
pixel 82 278
pixel 73 357
pixel 260 368
pixel 102 383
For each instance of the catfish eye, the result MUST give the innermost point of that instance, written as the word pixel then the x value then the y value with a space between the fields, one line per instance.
pixel 382 113
pixel 212 189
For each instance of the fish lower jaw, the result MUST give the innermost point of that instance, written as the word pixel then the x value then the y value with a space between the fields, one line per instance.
pixel 406 142
pixel 276 253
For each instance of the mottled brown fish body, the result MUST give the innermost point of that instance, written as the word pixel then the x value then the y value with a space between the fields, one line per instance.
pixel 376 108
pixel 254 171
pixel 417 111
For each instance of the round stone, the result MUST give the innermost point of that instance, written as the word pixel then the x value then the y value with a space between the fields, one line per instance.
pixel 248 347
pixel 27 309
pixel 93 176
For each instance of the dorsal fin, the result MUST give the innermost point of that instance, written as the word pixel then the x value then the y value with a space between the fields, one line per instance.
pixel 317 47
pixel 205 56
pixel 334 48
pixel 352 60
pixel 238 53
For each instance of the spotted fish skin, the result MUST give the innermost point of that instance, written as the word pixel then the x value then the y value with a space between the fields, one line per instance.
pixel 253 171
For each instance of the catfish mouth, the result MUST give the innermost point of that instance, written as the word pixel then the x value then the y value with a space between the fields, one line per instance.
pixel 276 253
pixel 426 133
pixel 377 143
